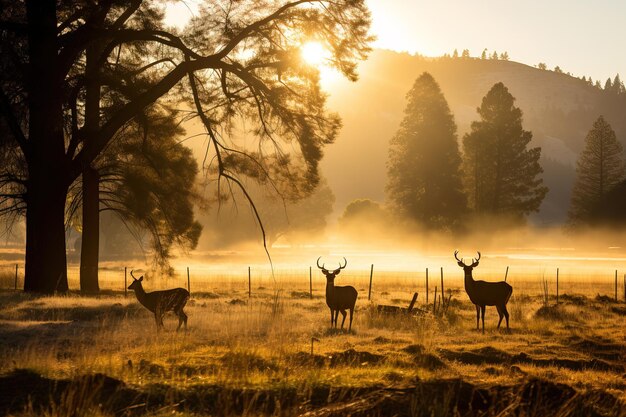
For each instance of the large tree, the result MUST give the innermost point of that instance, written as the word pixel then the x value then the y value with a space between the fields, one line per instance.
pixel 424 178
pixel 502 175
pixel 599 169
pixel 237 60
pixel 146 177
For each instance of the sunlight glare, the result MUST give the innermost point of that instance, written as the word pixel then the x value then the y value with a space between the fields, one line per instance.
pixel 314 53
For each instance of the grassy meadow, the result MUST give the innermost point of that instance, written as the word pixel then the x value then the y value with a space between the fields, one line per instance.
pixel 272 352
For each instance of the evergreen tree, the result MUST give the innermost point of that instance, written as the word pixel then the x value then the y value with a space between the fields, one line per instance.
pixel 558 70
pixel 501 174
pixel 504 56
pixel 455 54
pixel 599 169
pixel 484 54
pixel 608 86
pixel 542 66
pixel 618 85
pixel 424 180
pixel 465 53
pixel 494 56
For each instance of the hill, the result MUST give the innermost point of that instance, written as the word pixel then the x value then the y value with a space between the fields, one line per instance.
pixel 558 108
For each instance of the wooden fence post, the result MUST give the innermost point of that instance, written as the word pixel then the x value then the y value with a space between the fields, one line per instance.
pixel 557 285
pixel 125 281
pixel 249 284
pixel 188 281
pixel 616 285
pixel 311 282
pixel 625 288
pixel 369 294
pixel 435 301
pixel 426 285
pixel 15 277
pixel 442 281
pixel 506 274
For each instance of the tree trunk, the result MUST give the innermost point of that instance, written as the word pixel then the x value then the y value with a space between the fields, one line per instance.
pixel 91 179
pixel 48 168
pixel 91 232
pixel 46 268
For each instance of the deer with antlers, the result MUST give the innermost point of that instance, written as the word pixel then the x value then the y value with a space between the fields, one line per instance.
pixel 338 299
pixel 484 294
pixel 160 302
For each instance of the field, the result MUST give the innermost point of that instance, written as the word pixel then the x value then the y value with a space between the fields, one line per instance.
pixel 271 352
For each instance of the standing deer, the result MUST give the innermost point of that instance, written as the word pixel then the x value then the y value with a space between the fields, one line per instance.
pixel 483 293
pixel 338 299
pixel 160 302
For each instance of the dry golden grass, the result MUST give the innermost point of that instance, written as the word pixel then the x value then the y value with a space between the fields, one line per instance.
pixel 264 342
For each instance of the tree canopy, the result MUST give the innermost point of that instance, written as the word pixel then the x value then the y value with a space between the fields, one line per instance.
pixel 424 178
pixel 502 176
pixel 235 61
pixel 599 169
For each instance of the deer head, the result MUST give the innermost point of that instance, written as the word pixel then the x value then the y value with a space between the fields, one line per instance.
pixel 136 282
pixel 330 275
pixel 466 268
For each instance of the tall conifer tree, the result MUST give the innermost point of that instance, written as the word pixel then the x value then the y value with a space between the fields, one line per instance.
pixel 599 169
pixel 424 180
pixel 501 173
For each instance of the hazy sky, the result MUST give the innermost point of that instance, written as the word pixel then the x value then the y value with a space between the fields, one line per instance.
pixel 581 36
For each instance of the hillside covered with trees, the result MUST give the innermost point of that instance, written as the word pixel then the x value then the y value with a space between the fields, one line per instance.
pixel 557 108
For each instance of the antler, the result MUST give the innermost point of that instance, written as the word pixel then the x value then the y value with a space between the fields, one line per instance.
pixel 344 265
pixel 475 261
pixel 318 263
pixel 457 258
pixel 131 274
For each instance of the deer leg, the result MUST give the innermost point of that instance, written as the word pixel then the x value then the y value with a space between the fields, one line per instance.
pixel 477 317
pixel 482 313
pixel 501 314
pixel 331 318
pixel 158 320
pixel 182 318
pixel 343 313
pixel 336 317
pixel 506 315
pixel 351 312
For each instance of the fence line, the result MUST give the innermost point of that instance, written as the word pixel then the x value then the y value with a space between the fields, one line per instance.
pixel 525 281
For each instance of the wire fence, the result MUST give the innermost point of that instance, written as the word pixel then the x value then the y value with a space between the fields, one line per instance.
pixel 244 281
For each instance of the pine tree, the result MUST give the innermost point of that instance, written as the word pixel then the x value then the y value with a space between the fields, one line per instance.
pixel 465 53
pixel 424 179
pixel 599 169
pixel 501 174
pixel 618 85
pixel 484 54
pixel 608 86
pixel 455 54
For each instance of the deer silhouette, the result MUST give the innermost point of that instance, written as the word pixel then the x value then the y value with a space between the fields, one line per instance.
pixel 338 299
pixel 160 302
pixel 484 294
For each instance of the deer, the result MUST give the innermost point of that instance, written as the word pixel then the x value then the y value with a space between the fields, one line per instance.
pixel 160 302
pixel 484 294
pixel 338 299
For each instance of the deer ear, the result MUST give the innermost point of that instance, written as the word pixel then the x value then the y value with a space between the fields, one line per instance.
pixel 461 264
pixel 337 271
pixel 324 271
pixel 140 278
